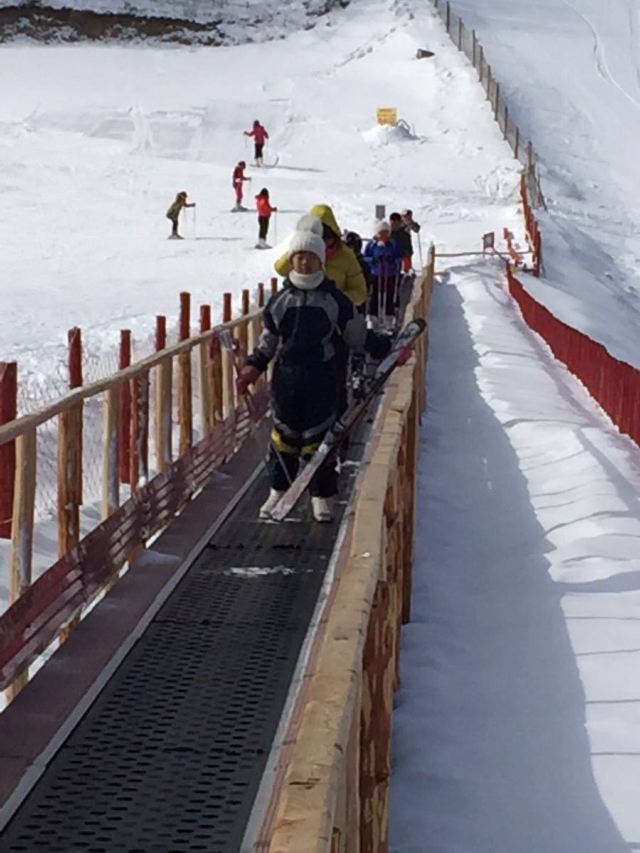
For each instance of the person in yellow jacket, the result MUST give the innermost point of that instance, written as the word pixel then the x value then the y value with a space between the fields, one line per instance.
pixel 341 264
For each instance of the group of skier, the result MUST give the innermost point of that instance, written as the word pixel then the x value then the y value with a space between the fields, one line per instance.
pixel 316 325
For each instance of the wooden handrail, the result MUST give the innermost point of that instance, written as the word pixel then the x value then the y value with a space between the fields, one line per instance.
pixel 12 430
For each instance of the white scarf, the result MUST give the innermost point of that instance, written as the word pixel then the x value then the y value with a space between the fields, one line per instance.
pixel 306 281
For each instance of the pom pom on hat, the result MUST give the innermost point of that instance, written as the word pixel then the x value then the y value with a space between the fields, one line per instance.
pixel 309 222
pixel 307 241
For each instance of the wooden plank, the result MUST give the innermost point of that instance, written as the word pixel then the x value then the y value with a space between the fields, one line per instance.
pixel 23 510
pixel 69 460
pixel 8 414
pixel 110 478
pixel 185 394
pixel 164 407
pixel 206 405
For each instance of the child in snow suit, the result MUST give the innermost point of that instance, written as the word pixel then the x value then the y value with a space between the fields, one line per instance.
pixel 237 182
pixel 174 212
pixel 402 237
pixel 265 210
pixel 260 136
pixel 384 258
pixel 341 265
pixel 301 324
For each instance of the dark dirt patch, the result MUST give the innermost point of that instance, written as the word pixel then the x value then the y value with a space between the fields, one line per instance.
pixel 44 24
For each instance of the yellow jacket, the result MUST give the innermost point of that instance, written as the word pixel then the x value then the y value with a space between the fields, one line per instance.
pixel 343 268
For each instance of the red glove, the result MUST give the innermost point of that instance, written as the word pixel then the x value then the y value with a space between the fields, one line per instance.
pixel 247 376
pixel 404 355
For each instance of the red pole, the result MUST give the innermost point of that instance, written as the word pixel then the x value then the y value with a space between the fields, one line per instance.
pixel 8 412
pixel 74 339
pixel 161 332
pixel 185 316
pixel 205 318
pixel 125 409
pixel 227 309
pixel 261 294
pixel 274 285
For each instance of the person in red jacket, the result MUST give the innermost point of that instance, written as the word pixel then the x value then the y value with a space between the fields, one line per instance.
pixel 260 136
pixel 238 184
pixel 265 210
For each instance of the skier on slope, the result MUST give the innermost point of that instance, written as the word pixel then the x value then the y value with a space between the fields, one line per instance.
pixel 264 208
pixel 384 257
pixel 260 136
pixel 301 325
pixel 237 182
pixel 174 212
pixel 342 266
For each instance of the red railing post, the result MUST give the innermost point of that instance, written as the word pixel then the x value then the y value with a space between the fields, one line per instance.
pixel 260 294
pixel 185 407
pixel 8 412
pixel 125 409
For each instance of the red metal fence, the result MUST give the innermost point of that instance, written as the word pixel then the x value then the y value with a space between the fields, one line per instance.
pixel 613 383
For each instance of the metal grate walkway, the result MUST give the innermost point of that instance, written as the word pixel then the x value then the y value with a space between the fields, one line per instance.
pixel 170 755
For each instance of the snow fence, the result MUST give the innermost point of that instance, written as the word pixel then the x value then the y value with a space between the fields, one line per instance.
pixel 332 789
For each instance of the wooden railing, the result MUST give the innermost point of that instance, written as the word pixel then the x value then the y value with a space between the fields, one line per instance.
pixel 137 417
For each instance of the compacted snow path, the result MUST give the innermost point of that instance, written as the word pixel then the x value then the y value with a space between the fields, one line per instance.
pixel 518 721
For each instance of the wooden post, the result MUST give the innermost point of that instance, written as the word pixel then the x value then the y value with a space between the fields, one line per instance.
pixel 70 456
pixel 474 47
pixel 260 294
pixel 459 33
pixel 481 65
pixel 8 412
pixel 496 103
pixel 227 364
pixel 125 409
pixel 506 121
pixel 489 82
pixel 23 510
pixel 163 399
pixel 448 17
pixel 110 479
pixel 517 144
pixel 185 410
pixel 206 407
pixel 530 155
pixel 274 285
pixel 140 430
pixel 243 330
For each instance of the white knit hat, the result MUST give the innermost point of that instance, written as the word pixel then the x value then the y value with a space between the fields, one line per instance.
pixel 381 226
pixel 309 222
pixel 307 241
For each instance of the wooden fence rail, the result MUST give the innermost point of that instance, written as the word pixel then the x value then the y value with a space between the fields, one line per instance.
pixel 139 404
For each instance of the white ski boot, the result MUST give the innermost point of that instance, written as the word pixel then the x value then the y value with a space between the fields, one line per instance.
pixel 269 504
pixel 321 508
pixel 262 244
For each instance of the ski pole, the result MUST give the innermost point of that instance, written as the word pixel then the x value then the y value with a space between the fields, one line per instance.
pixel 275 228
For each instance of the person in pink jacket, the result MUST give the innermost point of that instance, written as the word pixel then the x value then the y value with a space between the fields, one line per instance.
pixel 260 136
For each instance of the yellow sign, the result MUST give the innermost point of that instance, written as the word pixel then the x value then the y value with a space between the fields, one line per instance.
pixel 387 115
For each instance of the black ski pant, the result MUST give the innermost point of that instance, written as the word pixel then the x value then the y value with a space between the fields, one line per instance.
pixel 259 146
pixel 174 227
pixel 263 227
pixel 303 400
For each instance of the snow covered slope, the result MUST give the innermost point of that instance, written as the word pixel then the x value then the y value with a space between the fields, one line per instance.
pixel 96 141
pixel 571 72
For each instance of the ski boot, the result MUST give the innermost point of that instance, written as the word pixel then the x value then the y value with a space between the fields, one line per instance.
pixel 321 508
pixel 269 504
